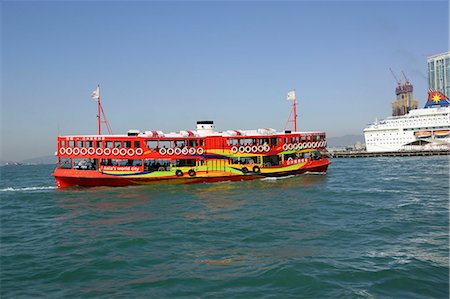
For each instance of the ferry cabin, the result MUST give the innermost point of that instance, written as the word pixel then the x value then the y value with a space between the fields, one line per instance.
pixel 188 153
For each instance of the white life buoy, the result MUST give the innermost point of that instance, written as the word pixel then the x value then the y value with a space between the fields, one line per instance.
pixel 290 160
pixel 115 151
pixel 308 145
pixel 290 146
pixel 83 151
pixel 260 148
pixel 170 151
pixel 234 149
pixel 248 149
pixel 76 151
pixel 300 146
pixel 69 151
pixel 91 151
pixel 123 151
pixel 177 151
pixel 107 151
pixel 99 151
pixel 130 152
pixel 266 148
pixel 185 151
pixel 162 151
pixel 242 149
pixel 192 151
pixel 200 151
pixel 62 151
pixel 297 146
pixel 254 148
pixel 139 151
pixel 285 147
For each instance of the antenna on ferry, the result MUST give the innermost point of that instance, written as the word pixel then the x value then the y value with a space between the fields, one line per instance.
pixel 96 97
pixel 293 115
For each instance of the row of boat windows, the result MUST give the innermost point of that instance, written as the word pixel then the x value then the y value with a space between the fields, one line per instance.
pixel 99 143
pixel 165 164
pixel 417 120
pixel 427 128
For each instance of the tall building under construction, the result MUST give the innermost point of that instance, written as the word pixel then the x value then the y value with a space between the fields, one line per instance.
pixel 405 100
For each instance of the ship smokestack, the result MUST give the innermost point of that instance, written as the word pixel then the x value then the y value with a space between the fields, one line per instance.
pixel 205 127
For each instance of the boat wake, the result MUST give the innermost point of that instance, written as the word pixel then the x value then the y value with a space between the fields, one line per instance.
pixel 12 189
pixel 273 179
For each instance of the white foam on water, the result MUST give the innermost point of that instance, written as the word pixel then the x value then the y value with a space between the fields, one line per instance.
pixel 12 189
pixel 273 179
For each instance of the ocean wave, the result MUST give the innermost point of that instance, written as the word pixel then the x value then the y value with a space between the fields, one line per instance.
pixel 12 189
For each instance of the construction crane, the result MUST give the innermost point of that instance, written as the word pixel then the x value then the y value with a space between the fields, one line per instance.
pixel 395 77
pixel 406 79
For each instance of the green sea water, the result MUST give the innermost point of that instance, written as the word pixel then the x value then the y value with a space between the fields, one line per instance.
pixel 370 228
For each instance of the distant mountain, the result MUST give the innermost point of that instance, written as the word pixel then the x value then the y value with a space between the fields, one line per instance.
pixel 343 141
pixel 41 160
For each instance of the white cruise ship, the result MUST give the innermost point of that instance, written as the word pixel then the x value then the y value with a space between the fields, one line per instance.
pixel 418 129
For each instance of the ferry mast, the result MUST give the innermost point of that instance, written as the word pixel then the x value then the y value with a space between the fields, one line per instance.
pixel 293 115
pixel 96 97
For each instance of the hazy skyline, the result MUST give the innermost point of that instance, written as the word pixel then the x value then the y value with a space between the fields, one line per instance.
pixel 164 65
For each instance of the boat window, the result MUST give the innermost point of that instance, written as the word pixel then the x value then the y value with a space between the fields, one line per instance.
pixel 152 144
pixel 85 164
pixel 165 143
pixel 192 143
pixel 316 155
pixel 246 141
pixel 232 141
pixel 109 144
pixel 201 143
pixel 99 144
pixel 184 162
pixel 89 143
pixel 180 143
pixel 71 143
pixel 109 162
pixel 271 160
pixel 127 144
pixel 274 141
pixel 117 144
pixel 137 144
pixel 62 143
pixel 80 143
pixel 156 165
pixel 130 162
pixel 303 138
pixel 65 163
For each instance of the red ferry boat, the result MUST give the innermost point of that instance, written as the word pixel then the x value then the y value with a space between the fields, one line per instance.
pixel 201 155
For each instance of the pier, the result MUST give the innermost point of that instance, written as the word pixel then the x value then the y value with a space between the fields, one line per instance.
pixel 364 154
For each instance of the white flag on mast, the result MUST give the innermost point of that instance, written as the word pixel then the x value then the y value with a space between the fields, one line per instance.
pixel 291 95
pixel 96 94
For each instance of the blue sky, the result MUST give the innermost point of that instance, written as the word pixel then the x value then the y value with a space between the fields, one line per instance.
pixel 164 65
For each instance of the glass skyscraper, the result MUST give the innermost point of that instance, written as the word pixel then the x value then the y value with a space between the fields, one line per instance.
pixel 439 72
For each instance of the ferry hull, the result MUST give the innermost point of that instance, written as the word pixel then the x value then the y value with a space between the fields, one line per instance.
pixel 68 178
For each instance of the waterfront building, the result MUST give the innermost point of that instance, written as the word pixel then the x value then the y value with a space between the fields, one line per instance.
pixel 439 73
